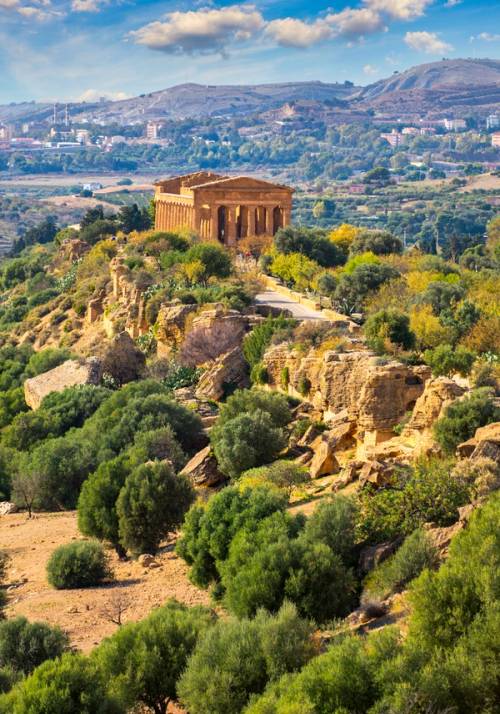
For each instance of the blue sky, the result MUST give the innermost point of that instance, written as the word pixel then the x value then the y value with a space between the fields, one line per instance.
pixel 73 49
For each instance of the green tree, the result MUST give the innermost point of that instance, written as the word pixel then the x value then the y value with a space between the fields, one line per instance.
pixel 63 686
pixel 25 645
pixel 143 661
pixel 151 504
pixel 251 400
pixel 208 530
pixel 248 440
pixel 256 343
pixel 389 325
pixel 377 242
pixel 354 288
pixel 245 654
pixel 215 259
pixel 445 360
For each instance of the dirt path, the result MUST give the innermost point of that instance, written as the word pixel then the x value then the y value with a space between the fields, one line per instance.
pixel 29 544
pixel 282 302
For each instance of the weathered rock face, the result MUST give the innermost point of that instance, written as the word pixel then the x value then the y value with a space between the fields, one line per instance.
pixel 128 302
pixel 438 394
pixel 202 469
pixel 374 395
pixel 170 327
pixel 230 369
pixel 74 248
pixel 484 444
pixel 69 374
pixel 324 461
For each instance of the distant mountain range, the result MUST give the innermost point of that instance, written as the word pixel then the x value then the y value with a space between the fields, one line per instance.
pixel 468 85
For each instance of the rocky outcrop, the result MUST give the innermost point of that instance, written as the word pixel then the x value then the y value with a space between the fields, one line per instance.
pixel 170 327
pixel 229 370
pixel 484 444
pixel 69 374
pixel 374 394
pixel 7 507
pixel 74 248
pixel 202 469
pixel 439 392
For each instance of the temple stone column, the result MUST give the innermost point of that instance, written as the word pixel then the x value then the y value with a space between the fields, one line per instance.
pixel 269 220
pixel 214 223
pixel 231 225
pixel 287 215
pixel 251 221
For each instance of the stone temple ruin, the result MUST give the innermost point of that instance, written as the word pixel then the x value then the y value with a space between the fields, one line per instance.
pixel 222 208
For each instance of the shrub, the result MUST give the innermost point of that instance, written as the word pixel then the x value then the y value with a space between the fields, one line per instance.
pixel 77 565
pixel 67 685
pixel 214 258
pixel 427 493
pixel 248 440
pixel 151 504
pixel 416 553
pixel 256 343
pixel 285 475
pixel 208 530
pixel 246 654
pixel 463 417
pixel 269 563
pixel 389 326
pixel 333 523
pixel 251 400
pixel 24 645
pixel 445 360
pixel 45 360
pixel 143 661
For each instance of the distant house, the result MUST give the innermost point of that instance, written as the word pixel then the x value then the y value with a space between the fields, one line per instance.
pixel 455 124
pixel 93 186
pixel 495 139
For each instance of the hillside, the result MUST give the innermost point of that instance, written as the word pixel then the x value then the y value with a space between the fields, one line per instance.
pixel 430 87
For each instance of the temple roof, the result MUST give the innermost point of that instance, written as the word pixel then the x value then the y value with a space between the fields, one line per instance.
pixel 206 179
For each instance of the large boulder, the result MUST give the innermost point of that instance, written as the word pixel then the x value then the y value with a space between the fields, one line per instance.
pixel 69 374
pixel 484 444
pixel 324 461
pixel 229 370
pixel 202 469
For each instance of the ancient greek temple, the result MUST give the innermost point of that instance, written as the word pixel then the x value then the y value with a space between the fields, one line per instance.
pixel 223 208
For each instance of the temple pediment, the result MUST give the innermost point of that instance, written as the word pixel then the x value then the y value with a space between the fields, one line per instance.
pixel 242 183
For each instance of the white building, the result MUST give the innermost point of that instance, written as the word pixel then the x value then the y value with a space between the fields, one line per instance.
pixel 455 124
pixel 495 139
pixel 153 129
pixel 493 121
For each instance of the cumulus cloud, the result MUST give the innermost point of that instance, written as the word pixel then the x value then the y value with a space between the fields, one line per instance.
pixel 370 70
pixel 200 31
pixel 85 5
pixel 427 42
pixel 94 95
pixel 33 12
pixel 355 23
pixel 486 37
pixel 291 32
pixel 400 9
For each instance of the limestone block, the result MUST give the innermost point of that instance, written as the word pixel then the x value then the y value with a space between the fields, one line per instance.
pixel 69 374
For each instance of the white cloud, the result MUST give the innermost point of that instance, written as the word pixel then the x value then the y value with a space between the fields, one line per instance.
pixel 291 32
pixel 399 9
pixel 200 31
pixel 486 37
pixel 94 95
pixel 355 23
pixel 85 5
pixel 370 70
pixel 452 3
pixel 427 42
pixel 29 11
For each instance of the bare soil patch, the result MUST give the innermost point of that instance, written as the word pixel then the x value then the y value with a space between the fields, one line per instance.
pixel 29 544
